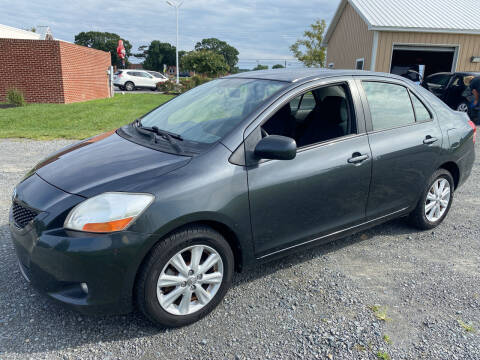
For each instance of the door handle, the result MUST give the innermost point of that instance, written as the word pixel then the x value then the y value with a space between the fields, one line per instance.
pixel 430 140
pixel 357 158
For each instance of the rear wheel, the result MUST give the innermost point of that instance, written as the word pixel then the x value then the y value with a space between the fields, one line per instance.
pixel 185 277
pixel 435 202
pixel 463 107
pixel 129 86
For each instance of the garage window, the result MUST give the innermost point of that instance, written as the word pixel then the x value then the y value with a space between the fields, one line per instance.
pixel 359 64
pixel 390 105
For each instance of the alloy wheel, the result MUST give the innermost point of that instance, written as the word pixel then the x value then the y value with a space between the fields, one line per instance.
pixel 438 199
pixel 463 107
pixel 190 280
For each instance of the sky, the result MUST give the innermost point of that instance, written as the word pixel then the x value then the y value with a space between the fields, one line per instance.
pixel 261 30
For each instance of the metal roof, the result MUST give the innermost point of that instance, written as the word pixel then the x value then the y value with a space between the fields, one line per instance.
pixel 443 16
pixel 9 32
pixel 304 75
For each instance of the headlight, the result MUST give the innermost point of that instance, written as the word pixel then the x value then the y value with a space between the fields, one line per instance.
pixel 107 212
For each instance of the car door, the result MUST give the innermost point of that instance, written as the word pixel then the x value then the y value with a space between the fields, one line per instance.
pixel 149 80
pixel 323 190
pixel 136 78
pixel 438 84
pixel 405 141
pixel 455 89
pixel 144 79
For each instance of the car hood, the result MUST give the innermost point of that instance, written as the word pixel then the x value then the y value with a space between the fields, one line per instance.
pixel 106 162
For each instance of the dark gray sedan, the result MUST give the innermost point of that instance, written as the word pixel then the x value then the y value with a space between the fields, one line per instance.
pixel 240 170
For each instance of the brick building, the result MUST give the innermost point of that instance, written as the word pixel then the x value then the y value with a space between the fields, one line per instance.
pixel 53 71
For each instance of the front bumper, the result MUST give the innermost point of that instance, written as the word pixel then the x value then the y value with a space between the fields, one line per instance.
pixel 57 261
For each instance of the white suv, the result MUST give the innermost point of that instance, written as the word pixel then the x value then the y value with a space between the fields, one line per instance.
pixel 129 79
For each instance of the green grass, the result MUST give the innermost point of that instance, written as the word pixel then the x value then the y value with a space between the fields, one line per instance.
pixel 78 120
pixel 387 339
pixel 380 312
pixel 383 355
pixel 466 327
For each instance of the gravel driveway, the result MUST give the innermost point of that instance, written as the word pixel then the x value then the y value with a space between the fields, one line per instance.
pixel 390 292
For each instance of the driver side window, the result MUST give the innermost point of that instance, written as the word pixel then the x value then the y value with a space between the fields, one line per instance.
pixel 316 116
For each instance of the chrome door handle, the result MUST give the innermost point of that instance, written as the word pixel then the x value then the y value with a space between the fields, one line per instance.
pixel 430 140
pixel 357 158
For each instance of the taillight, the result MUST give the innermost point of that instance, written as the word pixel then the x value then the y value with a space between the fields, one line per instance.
pixel 119 75
pixel 474 127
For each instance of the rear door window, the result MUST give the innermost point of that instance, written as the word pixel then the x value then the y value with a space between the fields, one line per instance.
pixel 390 105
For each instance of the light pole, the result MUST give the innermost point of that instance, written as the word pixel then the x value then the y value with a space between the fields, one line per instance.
pixel 176 5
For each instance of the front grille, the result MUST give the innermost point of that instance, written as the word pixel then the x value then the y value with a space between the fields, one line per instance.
pixel 22 215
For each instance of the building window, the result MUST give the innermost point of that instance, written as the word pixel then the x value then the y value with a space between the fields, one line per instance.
pixel 359 63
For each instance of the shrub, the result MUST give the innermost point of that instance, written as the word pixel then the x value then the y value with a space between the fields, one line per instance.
pixel 199 80
pixel 187 84
pixel 170 86
pixel 15 97
pixel 166 86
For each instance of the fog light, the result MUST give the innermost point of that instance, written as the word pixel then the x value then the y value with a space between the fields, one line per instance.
pixel 84 287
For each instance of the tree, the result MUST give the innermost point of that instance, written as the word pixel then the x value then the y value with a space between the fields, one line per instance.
pixel 278 66
pixel 260 67
pixel 205 62
pixel 142 52
pixel 104 41
pixel 220 47
pixel 309 50
pixel 158 54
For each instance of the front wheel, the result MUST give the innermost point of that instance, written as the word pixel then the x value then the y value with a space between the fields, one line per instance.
pixel 185 277
pixel 435 202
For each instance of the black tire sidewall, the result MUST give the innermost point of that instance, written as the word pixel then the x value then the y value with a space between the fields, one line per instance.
pixel 154 311
pixel 126 86
pixel 436 176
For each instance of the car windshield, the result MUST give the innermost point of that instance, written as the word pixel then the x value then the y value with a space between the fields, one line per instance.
pixel 208 112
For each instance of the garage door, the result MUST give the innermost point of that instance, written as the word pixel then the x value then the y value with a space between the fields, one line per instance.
pixel 425 59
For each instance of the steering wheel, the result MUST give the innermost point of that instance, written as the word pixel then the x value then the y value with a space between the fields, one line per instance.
pixel 264 132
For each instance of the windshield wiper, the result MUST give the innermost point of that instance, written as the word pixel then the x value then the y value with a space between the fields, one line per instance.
pixel 166 135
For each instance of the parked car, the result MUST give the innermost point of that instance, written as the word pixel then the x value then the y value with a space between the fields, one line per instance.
pixel 450 88
pixel 159 76
pixel 411 72
pixel 136 79
pixel 235 172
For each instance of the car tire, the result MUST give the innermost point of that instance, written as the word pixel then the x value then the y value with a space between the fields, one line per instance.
pixel 462 107
pixel 122 88
pixel 425 217
pixel 129 86
pixel 162 265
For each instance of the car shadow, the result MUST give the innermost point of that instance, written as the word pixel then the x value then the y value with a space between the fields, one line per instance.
pixel 29 321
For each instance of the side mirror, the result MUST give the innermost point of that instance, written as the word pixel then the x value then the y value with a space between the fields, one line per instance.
pixel 276 147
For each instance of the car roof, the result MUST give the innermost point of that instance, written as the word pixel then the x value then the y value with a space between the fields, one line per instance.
pixel 305 75
pixel 457 72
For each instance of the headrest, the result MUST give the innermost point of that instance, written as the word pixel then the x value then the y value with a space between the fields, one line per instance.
pixel 335 109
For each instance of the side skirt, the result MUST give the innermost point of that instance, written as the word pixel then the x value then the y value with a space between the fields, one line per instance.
pixel 334 236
